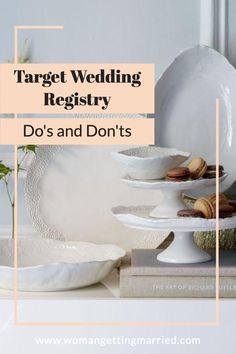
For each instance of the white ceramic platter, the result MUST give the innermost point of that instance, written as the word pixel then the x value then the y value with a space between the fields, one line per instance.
pixel 70 191
pixel 186 107
pixel 48 265
pixel 138 217
pixel 165 184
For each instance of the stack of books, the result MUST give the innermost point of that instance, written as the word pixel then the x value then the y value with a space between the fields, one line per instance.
pixel 146 277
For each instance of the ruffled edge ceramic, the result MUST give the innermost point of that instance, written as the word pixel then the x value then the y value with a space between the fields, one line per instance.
pixel 165 184
pixel 97 229
pixel 172 200
pixel 138 217
pixel 214 71
pixel 150 162
pixel 50 265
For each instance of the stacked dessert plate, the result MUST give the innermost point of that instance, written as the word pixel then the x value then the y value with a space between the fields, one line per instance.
pixel 172 200
pixel 163 217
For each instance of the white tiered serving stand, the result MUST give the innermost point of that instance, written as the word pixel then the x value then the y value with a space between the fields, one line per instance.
pixel 172 200
pixel 163 217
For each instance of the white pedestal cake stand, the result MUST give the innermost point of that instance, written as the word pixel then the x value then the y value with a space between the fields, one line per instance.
pixel 183 248
pixel 172 200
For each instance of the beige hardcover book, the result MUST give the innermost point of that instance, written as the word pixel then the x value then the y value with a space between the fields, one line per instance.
pixel 175 287
pixel 144 262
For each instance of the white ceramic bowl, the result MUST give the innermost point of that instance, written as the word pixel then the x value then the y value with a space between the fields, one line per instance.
pixel 49 265
pixel 150 162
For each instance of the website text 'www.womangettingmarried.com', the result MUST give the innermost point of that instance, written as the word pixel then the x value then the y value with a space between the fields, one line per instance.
pixel 118 341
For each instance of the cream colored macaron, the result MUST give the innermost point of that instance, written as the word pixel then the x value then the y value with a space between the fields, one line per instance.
pixel 197 167
pixel 205 206
pixel 222 199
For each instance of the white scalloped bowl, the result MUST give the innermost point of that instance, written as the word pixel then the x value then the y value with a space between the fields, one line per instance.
pixel 150 162
pixel 49 265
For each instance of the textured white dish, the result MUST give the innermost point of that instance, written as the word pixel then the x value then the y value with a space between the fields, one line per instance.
pixel 186 107
pixel 70 191
pixel 165 184
pixel 48 265
pixel 150 162
pixel 138 217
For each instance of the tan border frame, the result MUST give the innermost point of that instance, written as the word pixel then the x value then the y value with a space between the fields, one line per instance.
pixel 114 324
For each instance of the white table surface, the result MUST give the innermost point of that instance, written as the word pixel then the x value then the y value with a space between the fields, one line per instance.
pixel 101 303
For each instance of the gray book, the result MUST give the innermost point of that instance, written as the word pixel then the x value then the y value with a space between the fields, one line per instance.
pixel 174 287
pixel 144 262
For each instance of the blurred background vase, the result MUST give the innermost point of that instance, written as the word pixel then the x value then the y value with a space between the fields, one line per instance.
pixel 207 240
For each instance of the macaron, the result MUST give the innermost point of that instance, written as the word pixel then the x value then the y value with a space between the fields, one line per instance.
pixel 190 213
pixel 197 168
pixel 213 168
pixel 233 204
pixel 222 199
pixel 211 171
pixel 225 211
pixel 178 174
pixel 205 206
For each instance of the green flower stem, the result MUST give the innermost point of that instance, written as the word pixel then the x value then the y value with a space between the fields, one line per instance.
pixel 5 174
pixel 8 192
pixel 11 200
pixel 22 160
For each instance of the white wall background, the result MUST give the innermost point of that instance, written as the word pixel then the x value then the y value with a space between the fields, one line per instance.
pixel 111 31
pixel 152 31
pixel 103 30
pixel 232 31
